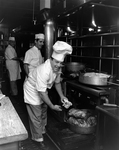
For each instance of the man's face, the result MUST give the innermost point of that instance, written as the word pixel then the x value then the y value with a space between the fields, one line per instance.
pixel 12 43
pixel 39 43
pixel 56 65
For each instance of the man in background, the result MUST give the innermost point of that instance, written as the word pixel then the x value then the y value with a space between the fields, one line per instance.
pixel 12 65
pixel 33 56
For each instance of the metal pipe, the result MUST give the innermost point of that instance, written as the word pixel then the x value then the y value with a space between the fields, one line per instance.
pixel 49 37
pixel 105 99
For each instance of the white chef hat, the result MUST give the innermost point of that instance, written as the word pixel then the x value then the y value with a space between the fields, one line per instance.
pixel 11 38
pixel 60 50
pixel 39 36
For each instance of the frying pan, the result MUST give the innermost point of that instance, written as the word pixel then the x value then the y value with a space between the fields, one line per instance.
pixel 74 67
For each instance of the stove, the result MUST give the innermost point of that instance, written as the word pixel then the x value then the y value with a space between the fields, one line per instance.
pixel 79 93
pixel 94 90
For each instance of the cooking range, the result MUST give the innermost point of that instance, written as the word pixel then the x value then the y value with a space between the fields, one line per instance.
pixel 78 92
pixel 81 93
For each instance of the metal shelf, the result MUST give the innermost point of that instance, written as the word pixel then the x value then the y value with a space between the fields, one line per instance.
pixel 93 57
pixel 92 35
pixel 105 46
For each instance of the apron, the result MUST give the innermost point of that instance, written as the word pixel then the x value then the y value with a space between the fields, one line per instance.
pixel 14 69
pixel 13 66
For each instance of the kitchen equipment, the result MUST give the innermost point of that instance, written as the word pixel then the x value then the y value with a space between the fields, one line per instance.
pixel 86 96
pixel 82 130
pixel 74 67
pixel 93 78
pixel 81 121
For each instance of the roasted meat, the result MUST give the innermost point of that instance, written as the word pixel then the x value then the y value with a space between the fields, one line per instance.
pixel 77 113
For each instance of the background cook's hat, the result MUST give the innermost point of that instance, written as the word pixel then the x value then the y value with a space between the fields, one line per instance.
pixel 11 38
pixel 60 50
pixel 39 36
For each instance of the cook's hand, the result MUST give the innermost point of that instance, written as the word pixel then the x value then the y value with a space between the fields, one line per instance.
pixel 62 99
pixel 57 108
pixel 66 103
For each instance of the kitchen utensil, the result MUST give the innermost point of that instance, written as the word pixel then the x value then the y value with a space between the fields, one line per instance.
pixel 80 121
pixel 82 130
pixel 93 78
pixel 74 67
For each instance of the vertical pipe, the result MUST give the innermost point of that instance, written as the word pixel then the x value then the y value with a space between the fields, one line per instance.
pixel 100 61
pixel 49 37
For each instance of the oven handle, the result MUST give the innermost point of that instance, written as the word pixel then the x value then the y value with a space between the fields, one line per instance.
pixel 110 105
pixel 105 99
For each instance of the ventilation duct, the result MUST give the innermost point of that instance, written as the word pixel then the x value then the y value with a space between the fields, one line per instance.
pixel 44 15
pixel 45 4
pixel 49 37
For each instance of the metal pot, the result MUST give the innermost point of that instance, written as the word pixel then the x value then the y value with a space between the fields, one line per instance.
pixel 79 123
pixel 74 67
pixel 82 130
pixel 93 78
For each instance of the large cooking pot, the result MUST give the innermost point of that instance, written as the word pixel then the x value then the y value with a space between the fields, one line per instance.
pixel 82 130
pixel 93 78
pixel 74 67
pixel 82 121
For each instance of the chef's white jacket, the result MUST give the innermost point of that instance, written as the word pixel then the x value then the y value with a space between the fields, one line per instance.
pixel 33 57
pixel 13 66
pixel 39 79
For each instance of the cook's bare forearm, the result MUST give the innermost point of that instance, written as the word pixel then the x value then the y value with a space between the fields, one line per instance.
pixel 59 89
pixel 46 99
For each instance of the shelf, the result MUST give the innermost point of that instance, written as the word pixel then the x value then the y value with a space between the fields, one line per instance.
pixel 99 51
pixel 93 35
pixel 92 57
pixel 89 36
pixel 104 46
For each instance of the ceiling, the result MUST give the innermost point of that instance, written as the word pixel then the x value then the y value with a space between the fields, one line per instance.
pixel 104 15
pixel 25 14
pixel 17 13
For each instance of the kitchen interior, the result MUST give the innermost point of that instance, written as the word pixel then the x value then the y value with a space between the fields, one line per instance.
pixel 90 75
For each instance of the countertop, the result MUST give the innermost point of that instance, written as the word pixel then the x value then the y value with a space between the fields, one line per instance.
pixel 11 126
pixel 110 111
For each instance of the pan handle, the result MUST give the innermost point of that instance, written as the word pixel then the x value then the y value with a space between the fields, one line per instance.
pixel 113 83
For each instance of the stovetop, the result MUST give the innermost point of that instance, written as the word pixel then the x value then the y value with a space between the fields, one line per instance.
pixel 95 90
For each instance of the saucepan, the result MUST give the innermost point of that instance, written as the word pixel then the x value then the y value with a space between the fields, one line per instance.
pixel 93 78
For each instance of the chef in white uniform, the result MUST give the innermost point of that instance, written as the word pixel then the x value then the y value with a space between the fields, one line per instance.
pixel 35 89
pixel 13 66
pixel 33 57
